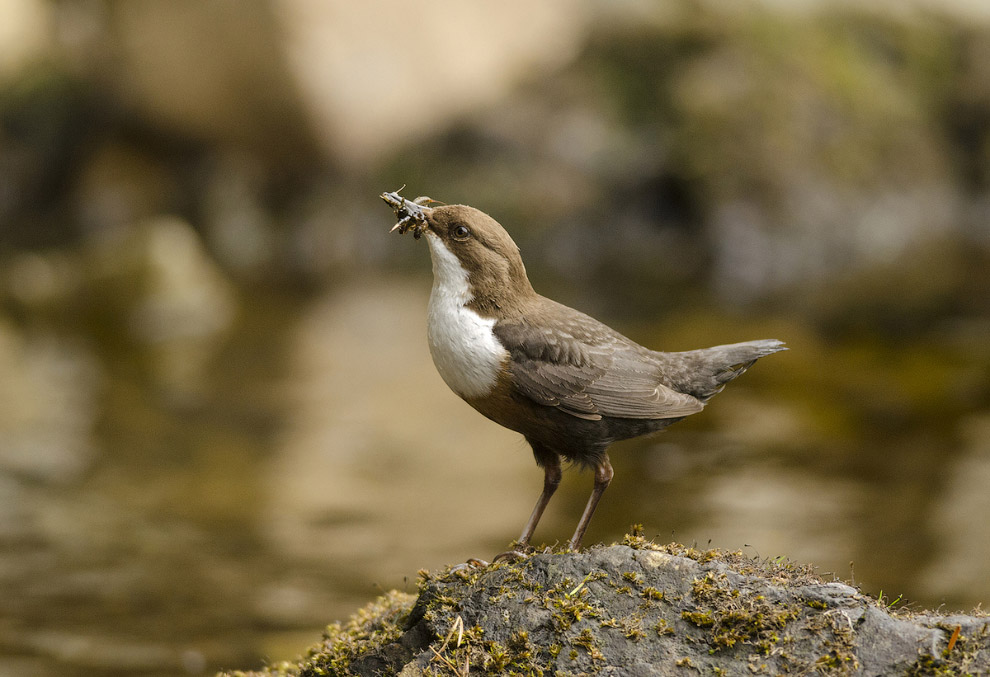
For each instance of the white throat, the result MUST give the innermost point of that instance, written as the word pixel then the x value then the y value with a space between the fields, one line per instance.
pixel 464 348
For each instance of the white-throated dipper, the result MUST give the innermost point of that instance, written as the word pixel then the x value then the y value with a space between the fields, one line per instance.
pixel 571 385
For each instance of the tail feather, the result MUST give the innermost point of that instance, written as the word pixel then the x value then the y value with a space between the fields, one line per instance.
pixel 704 373
pixel 738 357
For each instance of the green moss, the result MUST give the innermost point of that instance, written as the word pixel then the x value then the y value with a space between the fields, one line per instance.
pixel 734 618
pixel 371 628
pixel 569 608
pixel 663 628
pixel 498 658
pixel 703 619
pixel 833 662
pixel 634 630
pixel 459 654
pixel 717 613
pixel 586 640
pixel 631 626
pixel 959 660
pixel 704 556
pixel 632 577
pixel 777 570
pixel 651 593
pixel 636 540
pixel 838 639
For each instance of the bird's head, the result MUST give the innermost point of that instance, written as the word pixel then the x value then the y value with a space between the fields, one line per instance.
pixel 465 243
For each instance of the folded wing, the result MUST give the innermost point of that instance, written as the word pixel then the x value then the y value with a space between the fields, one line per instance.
pixel 588 370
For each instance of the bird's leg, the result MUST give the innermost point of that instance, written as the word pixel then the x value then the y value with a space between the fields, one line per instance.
pixel 551 480
pixel 603 475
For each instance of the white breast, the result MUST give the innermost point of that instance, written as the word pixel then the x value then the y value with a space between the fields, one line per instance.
pixel 464 348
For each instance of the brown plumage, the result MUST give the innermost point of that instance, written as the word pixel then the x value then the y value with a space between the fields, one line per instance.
pixel 568 383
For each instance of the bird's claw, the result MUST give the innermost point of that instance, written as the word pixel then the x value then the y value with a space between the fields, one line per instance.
pixel 514 555
pixel 472 563
pixel 510 556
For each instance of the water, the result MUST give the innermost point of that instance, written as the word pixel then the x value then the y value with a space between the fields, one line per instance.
pixel 195 501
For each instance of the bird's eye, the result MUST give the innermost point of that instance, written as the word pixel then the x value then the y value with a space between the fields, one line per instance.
pixel 460 232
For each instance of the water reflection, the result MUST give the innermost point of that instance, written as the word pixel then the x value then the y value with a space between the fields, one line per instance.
pixel 155 522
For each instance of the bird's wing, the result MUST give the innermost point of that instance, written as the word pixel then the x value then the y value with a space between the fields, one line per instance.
pixel 585 369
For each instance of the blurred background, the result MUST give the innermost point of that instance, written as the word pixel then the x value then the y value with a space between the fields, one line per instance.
pixel 220 428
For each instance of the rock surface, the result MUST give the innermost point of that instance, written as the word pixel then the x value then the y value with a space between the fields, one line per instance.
pixel 641 609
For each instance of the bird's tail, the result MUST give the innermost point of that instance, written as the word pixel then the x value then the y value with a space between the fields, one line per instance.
pixel 703 373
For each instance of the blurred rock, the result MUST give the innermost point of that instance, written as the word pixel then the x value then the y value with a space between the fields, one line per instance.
pixel 158 302
pixel 744 155
pixel 185 305
pixel 25 34
pixel 817 160
pixel 118 186
pixel 252 73
pixel 735 152
pixel 215 71
pixel 185 295
pixel 41 281
pixel 238 225
pixel 377 74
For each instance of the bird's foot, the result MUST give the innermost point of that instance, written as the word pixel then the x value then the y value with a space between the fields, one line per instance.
pixel 518 551
pixel 510 556
pixel 472 563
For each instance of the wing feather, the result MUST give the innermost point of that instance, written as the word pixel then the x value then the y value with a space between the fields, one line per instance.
pixel 587 370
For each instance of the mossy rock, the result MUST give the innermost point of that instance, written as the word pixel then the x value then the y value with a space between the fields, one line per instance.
pixel 638 608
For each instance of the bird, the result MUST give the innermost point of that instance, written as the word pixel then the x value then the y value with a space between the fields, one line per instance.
pixel 568 383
